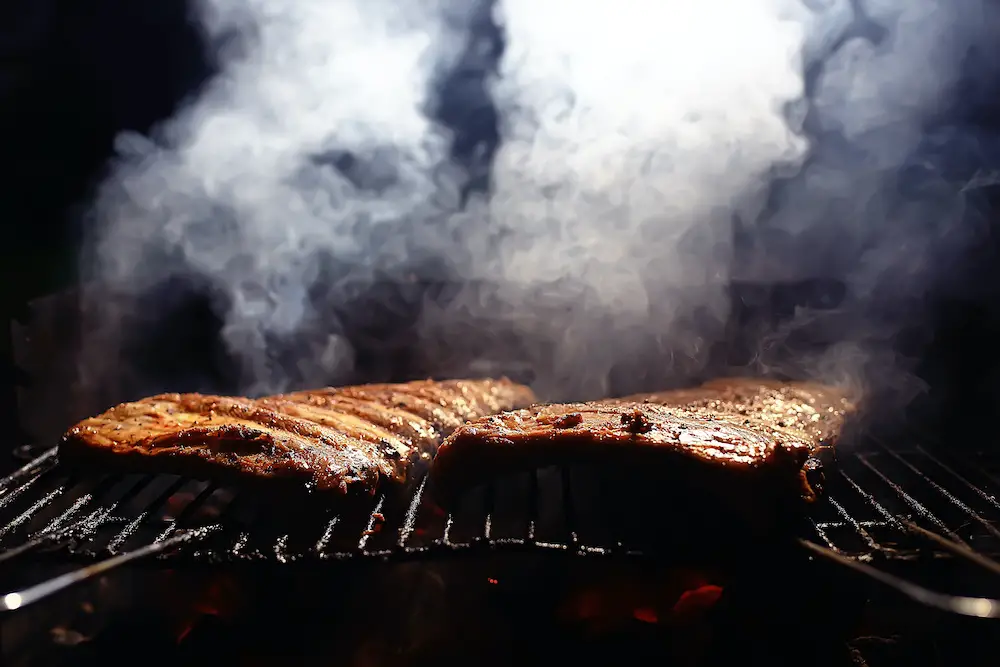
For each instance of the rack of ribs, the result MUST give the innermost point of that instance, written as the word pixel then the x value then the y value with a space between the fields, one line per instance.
pixel 346 440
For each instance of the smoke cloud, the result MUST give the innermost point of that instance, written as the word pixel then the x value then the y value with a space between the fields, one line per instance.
pixel 631 134
pixel 651 152
pixel 312 149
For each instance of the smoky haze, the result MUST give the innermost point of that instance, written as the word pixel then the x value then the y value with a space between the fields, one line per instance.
pixel 650 153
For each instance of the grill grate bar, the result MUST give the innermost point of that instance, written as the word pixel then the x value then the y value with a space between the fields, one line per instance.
pixel 974 607
pixel 103 486
pixel 45 461
pixel 870 499
pixel 821 533
pixel 374 524
pixel 488 528
pixel 104 515
pixel 950 497
pixel 17 492
pixel 35 507
pixel 448 525
pixel 912 502
pixel 853 523
pixel 965 482
pixel 320 547
pixel 73 510
pixel 827 525
pixel 57 531
pixel 51 539
pixel 489 505
pixel 15 600
pixel 64 535
pixel 409 521
pixel 281 553
pixel 131 492
pixel 240 544
pixel 133 526
pixel 957 549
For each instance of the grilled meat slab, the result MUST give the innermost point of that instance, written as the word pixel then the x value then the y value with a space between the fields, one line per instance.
pixel 342 440
pixel 680 441
pixel 758 439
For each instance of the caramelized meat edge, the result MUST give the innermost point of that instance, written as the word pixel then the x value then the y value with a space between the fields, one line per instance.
pixel 342 440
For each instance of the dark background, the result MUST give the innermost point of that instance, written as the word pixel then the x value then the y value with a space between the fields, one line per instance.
pixel 74 74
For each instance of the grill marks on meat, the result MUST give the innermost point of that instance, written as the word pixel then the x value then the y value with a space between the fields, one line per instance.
pixel 343 440
pixel 760 436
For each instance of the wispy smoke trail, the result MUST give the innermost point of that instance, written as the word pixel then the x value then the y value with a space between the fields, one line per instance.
pixel 312 148
pixel 873 206
pixel 636 135
pixel 631 134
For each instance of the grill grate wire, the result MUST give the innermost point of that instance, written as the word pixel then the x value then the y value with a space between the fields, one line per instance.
pixel 883 505
pixel 873 495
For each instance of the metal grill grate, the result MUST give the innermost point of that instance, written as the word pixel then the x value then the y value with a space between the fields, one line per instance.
pixel 877 490
pixel 873 495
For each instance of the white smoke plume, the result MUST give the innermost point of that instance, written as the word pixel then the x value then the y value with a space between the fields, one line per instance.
pixel 633 133
pixel 242 187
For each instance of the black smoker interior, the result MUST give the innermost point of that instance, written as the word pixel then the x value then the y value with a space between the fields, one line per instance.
pixel 75 75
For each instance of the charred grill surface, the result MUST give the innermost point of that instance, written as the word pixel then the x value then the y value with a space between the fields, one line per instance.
pixel 343 441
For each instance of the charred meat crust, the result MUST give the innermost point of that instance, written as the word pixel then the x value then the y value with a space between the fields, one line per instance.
pixel 344 441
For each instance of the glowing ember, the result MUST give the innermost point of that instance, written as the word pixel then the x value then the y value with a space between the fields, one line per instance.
pixel 697 602
pixel 176 504
pixel 646 615
pixel 222 597
pixel 676 598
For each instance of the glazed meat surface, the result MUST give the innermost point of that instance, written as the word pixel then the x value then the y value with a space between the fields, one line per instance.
pixel 341 440
pixel 760 436
pixel 809 412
